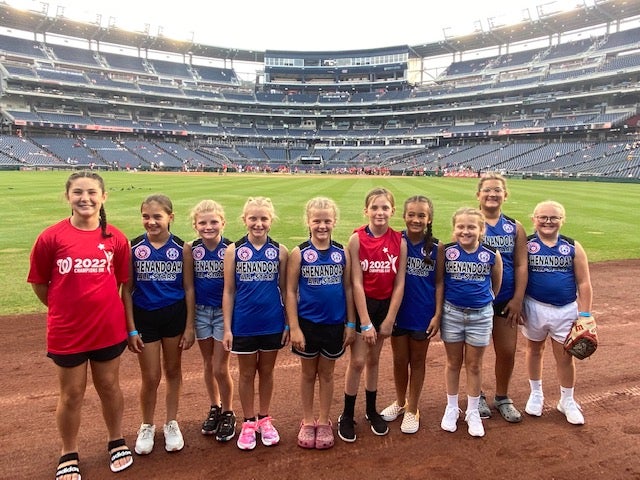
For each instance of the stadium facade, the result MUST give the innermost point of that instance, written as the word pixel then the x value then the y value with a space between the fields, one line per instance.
pixel 551 96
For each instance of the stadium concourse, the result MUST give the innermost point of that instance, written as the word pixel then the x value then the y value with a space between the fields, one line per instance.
pixel 605 448
pixel 555 95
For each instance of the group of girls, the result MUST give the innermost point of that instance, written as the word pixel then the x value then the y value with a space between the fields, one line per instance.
pixel 252 297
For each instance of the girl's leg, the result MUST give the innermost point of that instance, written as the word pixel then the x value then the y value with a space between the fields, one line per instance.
pixel 417 362
pixel 222 377
pixel 372 365
pixel 307 387
pixel 533 361
pixel 355 366
pixel 151 372
pixel 266 364
pixel 247 368
pixel 207 350
pixel 325 376
pixel 505 338
pixel 473 366
pixel 73 384
pixel 566 371
pixel 455 355
pixel 401 358
pixel 172 364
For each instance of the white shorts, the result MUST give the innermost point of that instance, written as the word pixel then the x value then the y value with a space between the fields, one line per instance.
pixel 542 320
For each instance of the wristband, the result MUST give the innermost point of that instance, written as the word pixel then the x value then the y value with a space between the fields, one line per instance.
pixel 366 328
pixel 133 333
pixel 350 325
pixel 286 328
pixel 584 314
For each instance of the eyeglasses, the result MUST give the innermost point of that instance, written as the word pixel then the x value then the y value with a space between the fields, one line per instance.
pixel 489 190
pixel 545 219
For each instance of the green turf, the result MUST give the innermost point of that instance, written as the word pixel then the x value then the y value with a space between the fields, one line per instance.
pixel 599 215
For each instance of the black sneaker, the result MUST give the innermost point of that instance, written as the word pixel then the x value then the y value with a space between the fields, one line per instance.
pixel 347 428
pixel 378 425
pixel 210 425
pixel 226 427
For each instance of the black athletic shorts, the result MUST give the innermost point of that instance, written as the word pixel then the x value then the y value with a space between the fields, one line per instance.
pixel 256 343
pixel 413 334
pixel 321 339
pixel 101 355
pixel 377 309
pixel 166 322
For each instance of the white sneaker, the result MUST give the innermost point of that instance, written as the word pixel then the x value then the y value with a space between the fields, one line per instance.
pixel 474 423
pixel 535 404
pixel 410 422
pixel 144 442
pixel 450 419
pixel 173 440
pixel 572 411
pixel 392 412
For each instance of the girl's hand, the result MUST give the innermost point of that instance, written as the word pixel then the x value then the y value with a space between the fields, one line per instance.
pixel 433 328
pixel 188 339
pixel 349 336
pixel 227 341
pixel 285 337
pixel 297 339
pixel 386 327
pixel 135 344
pixel 370 336
pixel 513 313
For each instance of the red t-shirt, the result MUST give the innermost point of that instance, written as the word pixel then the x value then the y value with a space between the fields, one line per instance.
pixel 379 261
pixel 83 270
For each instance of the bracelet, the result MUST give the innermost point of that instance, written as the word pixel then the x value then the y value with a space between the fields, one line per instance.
pixel 584 314
pixel 366 328
pixel 350 325
pixel 286 328
pixel 133 333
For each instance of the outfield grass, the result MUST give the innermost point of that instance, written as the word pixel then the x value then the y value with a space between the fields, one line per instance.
pixel 602 216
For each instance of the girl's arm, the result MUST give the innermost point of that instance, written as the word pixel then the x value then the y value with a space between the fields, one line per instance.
pixel 291 302
pixel 496 275
pixel 357 283
pixel 349 331
pixel 42 292
pixel 228 294
pixel 434 325
pixel 282 282
pixel 513 309
pixel 135 341
pixel 398 292
pixel 583 279
pixel 189 335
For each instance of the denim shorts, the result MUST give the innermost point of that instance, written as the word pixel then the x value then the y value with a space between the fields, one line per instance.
pixel 209 323
pixel 470 325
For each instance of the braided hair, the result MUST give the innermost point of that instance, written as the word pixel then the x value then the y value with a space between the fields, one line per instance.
pixel 93 176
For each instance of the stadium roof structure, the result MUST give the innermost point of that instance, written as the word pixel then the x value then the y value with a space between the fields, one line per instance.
pixel 582 17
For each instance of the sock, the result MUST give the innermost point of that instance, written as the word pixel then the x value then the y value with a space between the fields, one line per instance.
pixel 252 419
pixel 349 405
pixel 499 398
pixel 536 385
pixel 260 416
pixel 566 392
pixel 472 403
pixel 452 401
pixel 371 401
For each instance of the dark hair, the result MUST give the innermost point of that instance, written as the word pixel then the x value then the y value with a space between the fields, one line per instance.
pixel 428 233
pixel 93 176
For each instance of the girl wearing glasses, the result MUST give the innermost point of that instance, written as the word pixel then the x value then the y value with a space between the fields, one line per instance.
pixel 558 290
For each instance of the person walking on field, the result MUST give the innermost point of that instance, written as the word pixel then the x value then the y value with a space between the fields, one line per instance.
pixel 77 268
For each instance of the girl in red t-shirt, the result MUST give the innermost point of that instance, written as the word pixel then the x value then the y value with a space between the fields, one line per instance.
pixel 76 269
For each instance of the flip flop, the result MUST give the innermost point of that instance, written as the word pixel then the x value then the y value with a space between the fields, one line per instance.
pixel 66 467
pixel 507 410
pixel 118 449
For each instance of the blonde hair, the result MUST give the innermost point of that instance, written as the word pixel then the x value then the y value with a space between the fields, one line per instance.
pixel 206 206
pixel 473 212
pixel 260 202
pixel 550 203
pixel 378 192
pixel 493 176
pixel 320 203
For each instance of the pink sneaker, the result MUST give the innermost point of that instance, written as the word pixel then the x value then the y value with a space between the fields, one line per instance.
pixel 247 438
pixel 268 433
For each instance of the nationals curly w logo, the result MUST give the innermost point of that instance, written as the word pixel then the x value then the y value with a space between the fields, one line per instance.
pixel 64 265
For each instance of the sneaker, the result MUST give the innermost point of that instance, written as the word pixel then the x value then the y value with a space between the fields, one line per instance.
pixel 247 438
pixel 268 433
pixel 483 407
pixel 535 404
pixel 392 412
pixel 144 442
pixel 410 422
pixel 210 425
pixel 324 436
pixel 450 419
pixel 474 423
pixel 307 436
pixel 173 440
pixel 226 427
pixel 347 428
pixel 378 425
pixel 571 410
